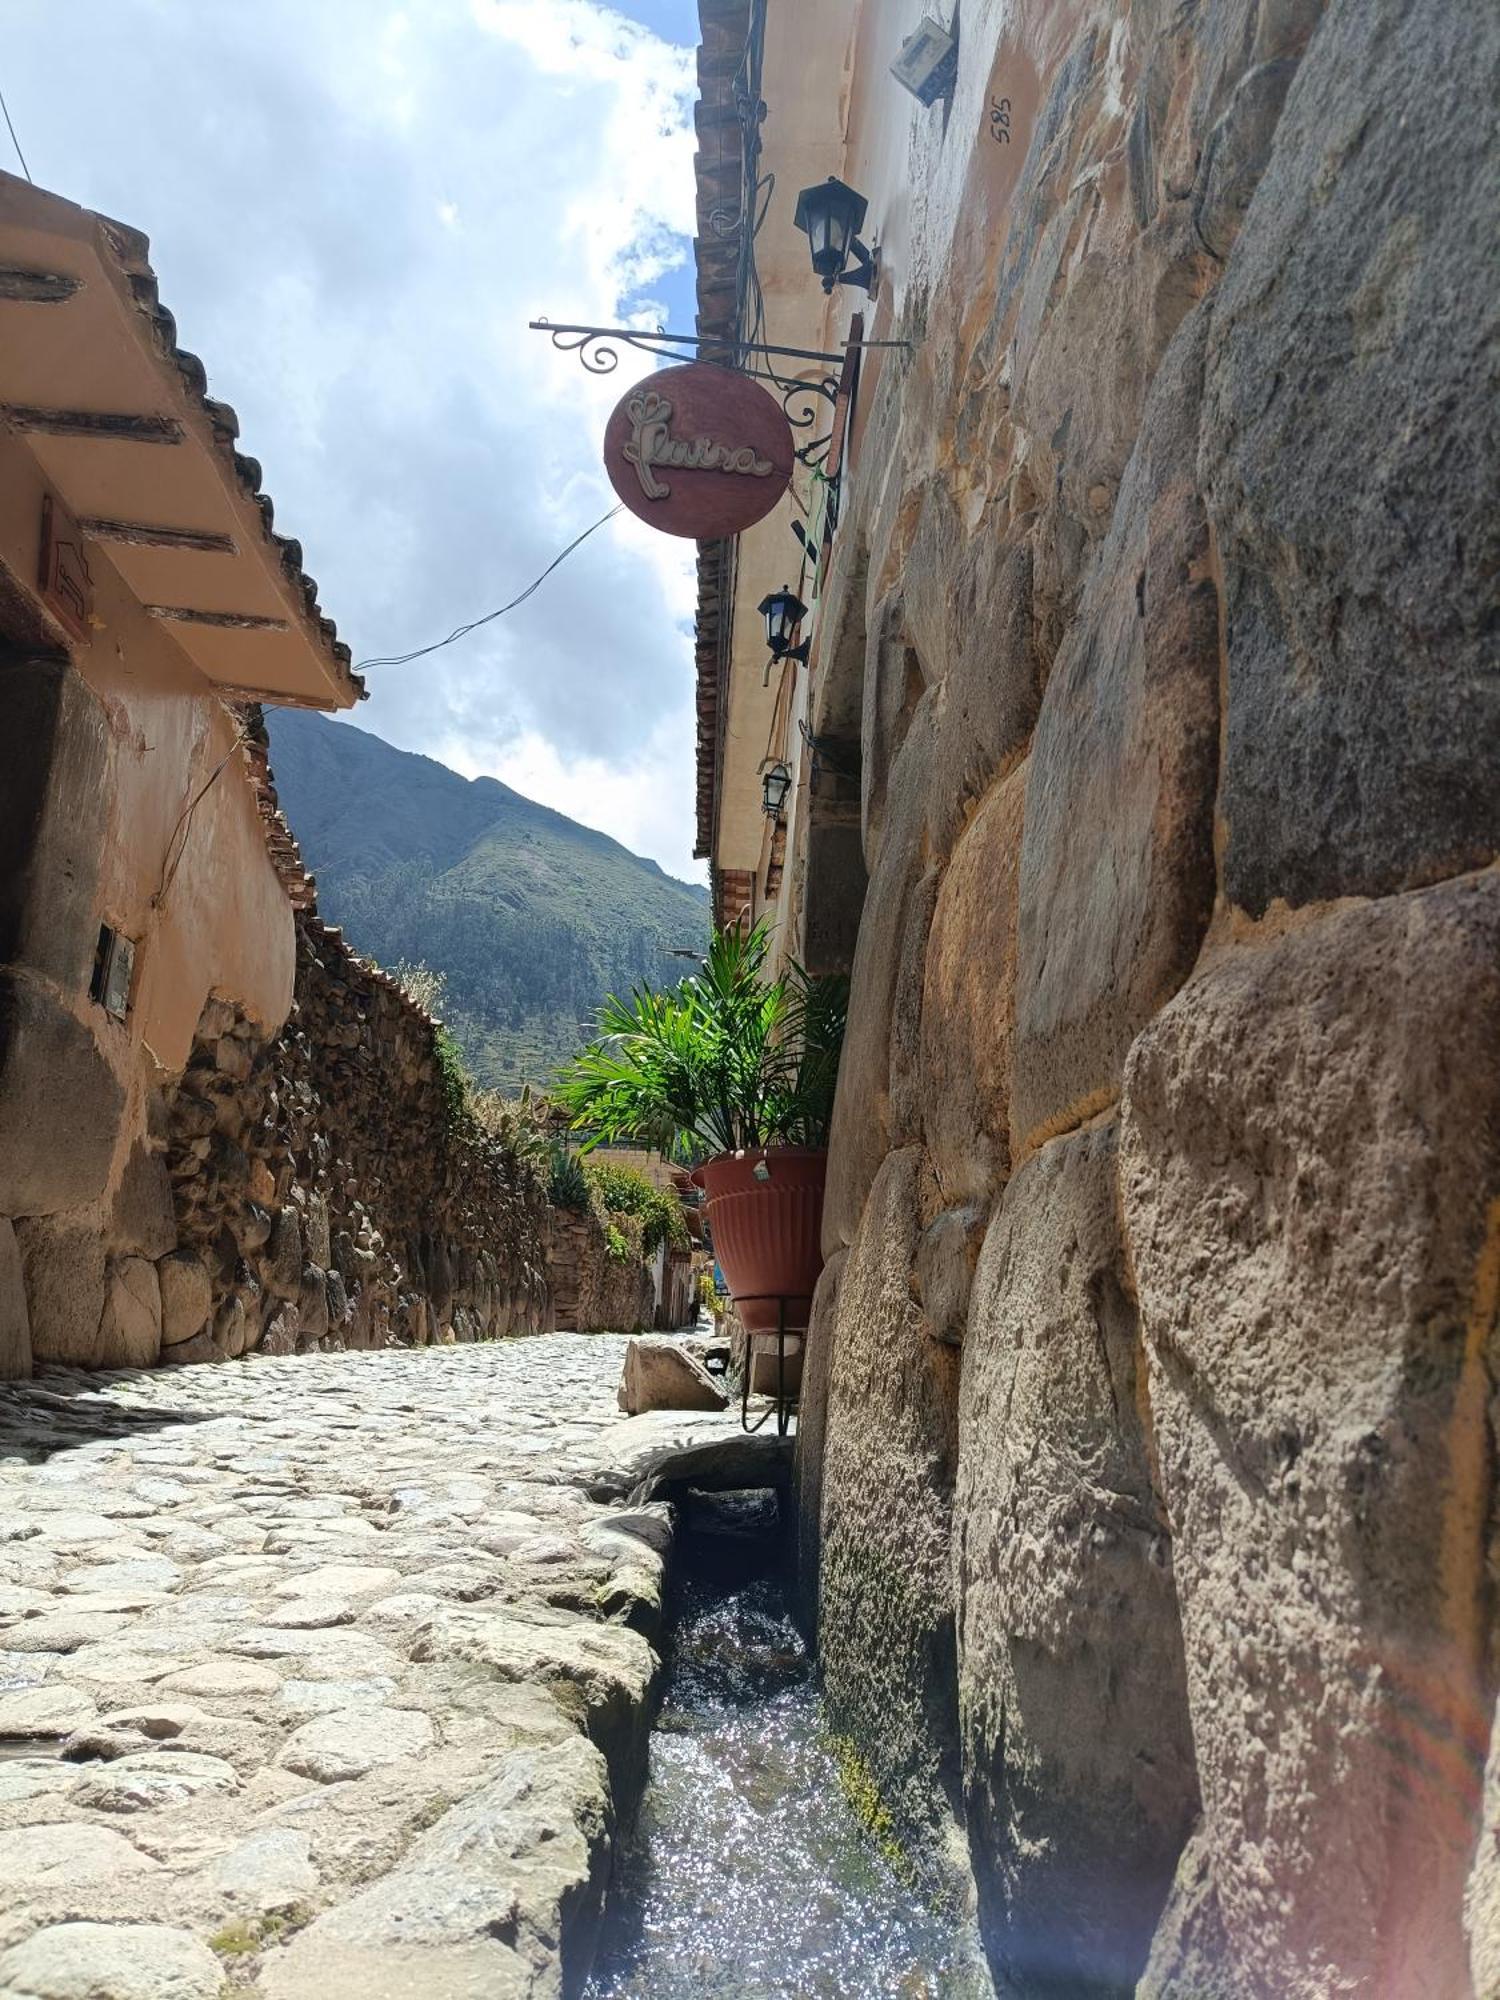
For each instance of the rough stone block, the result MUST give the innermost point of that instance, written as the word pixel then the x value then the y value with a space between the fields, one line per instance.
pixel 77 1961
pixel 944 1272
pixel 62 1262
pixel 130 1331
pixel 1239 146
pixel 143 1220
pixel 60 1103
pixel 968 609
pixel 884 988
pixel 893 685
pixel 812 1430
pixel 187 1353
pixel 15 1321
pixel 186 1296
pixel 834 894
pixel 1117 865
pixel 885 1615
pixel 280 1268
pixel 1078 1761
pixel 1189 1953
pixel 659 1374
pixel 1311 1176
pixel 54 810
pixel 1355 323
pixel 968 1005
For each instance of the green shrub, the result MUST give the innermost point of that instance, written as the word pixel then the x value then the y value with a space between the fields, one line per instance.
pixel 453 1078
pixel 567 1183
pixel 626 1191
pixel 617 1245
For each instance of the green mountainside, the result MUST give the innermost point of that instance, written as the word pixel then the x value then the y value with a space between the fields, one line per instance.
pixel 532 917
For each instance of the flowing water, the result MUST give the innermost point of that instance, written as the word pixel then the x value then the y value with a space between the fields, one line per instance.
pixel 750 1876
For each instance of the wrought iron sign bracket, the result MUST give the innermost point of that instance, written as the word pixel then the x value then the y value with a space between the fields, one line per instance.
pixel 597 348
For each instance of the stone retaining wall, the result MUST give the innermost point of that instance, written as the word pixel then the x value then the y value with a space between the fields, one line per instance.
pixel 324 1195
pixel 593 1292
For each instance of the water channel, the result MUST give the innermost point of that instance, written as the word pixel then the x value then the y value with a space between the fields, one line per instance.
pixel 750 1876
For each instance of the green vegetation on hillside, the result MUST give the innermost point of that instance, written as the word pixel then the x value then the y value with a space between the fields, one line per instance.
pixel 529 917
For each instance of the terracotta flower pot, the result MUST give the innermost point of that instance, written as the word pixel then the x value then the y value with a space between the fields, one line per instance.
pixel 767 1232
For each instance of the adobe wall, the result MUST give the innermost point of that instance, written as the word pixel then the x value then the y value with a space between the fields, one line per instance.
pixel 100 762
pixel 1147 1460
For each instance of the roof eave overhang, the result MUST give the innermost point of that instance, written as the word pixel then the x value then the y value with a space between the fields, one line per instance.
pixel 118 421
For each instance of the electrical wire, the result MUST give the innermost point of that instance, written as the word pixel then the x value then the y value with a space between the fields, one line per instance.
pixel 13 139
pixel 172 862
pixel 462 631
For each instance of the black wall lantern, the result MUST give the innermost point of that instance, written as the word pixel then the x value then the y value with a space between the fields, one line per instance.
pixel 774 787
pixel 783 612
pixel 833 215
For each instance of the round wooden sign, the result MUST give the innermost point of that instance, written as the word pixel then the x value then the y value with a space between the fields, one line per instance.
pixel 698 451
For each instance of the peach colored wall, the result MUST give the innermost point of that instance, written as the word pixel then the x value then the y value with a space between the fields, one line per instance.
pixel 224 926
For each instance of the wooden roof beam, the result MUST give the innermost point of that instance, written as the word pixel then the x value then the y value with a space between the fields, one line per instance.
pixel 147 535
pixel 129 429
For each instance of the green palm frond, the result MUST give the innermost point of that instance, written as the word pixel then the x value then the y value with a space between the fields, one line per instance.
pixel 725 1061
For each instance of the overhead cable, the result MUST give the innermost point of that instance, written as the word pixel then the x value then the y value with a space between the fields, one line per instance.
pixel 462 631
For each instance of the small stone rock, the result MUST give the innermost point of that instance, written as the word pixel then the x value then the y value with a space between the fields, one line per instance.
pixel 111 1962
pixel 23 1778
pixel 141 1572
pixel 19 1601
pixel 186 1296
pixel 271 1870
pixel 154 1778
pixel 130 1331
pixel 340 1580
pixel 405 1610
pixel 222 1677
pixel 63 1634
pixel 310 1613
pixel 349 1743
pixel 660 1375
pixel 44 1711
pixel 307 1698
pixel 157 1719
pixel 62 1856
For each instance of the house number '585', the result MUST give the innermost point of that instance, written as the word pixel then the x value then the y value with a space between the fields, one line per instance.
pixel 1000 120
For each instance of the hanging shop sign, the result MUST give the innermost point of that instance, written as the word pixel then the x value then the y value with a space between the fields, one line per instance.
pixel 699 451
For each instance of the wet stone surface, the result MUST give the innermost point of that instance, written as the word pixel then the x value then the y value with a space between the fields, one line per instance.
pixel 750 1874
pixel 315 1671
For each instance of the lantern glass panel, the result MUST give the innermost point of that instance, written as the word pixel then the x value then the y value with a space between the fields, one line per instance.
pixel 832 214
pixel 774 788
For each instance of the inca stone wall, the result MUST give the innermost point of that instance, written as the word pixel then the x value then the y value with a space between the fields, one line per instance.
pixel 325 1196
pixel 593 1292
pixel 1146 1478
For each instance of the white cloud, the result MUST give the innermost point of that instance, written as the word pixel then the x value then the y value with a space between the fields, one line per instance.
pixel 355 207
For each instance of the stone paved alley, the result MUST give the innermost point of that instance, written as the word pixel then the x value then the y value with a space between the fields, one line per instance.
pixel 320 1689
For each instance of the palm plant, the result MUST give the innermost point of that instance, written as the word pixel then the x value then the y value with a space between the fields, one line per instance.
pixel 727 1061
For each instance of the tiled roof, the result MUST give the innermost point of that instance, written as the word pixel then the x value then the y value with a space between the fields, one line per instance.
pixel 286 856
pixel 131 251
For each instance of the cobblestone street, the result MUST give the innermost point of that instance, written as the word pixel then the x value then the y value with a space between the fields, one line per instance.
pixel 320 1673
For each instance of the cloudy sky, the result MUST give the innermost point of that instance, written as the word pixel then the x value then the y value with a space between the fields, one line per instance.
pixel 354 208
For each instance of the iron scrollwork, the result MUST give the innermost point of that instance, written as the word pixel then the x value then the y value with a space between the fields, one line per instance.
pixel 597 348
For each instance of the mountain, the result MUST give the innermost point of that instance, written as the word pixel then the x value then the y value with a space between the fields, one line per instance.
pixel 532 917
